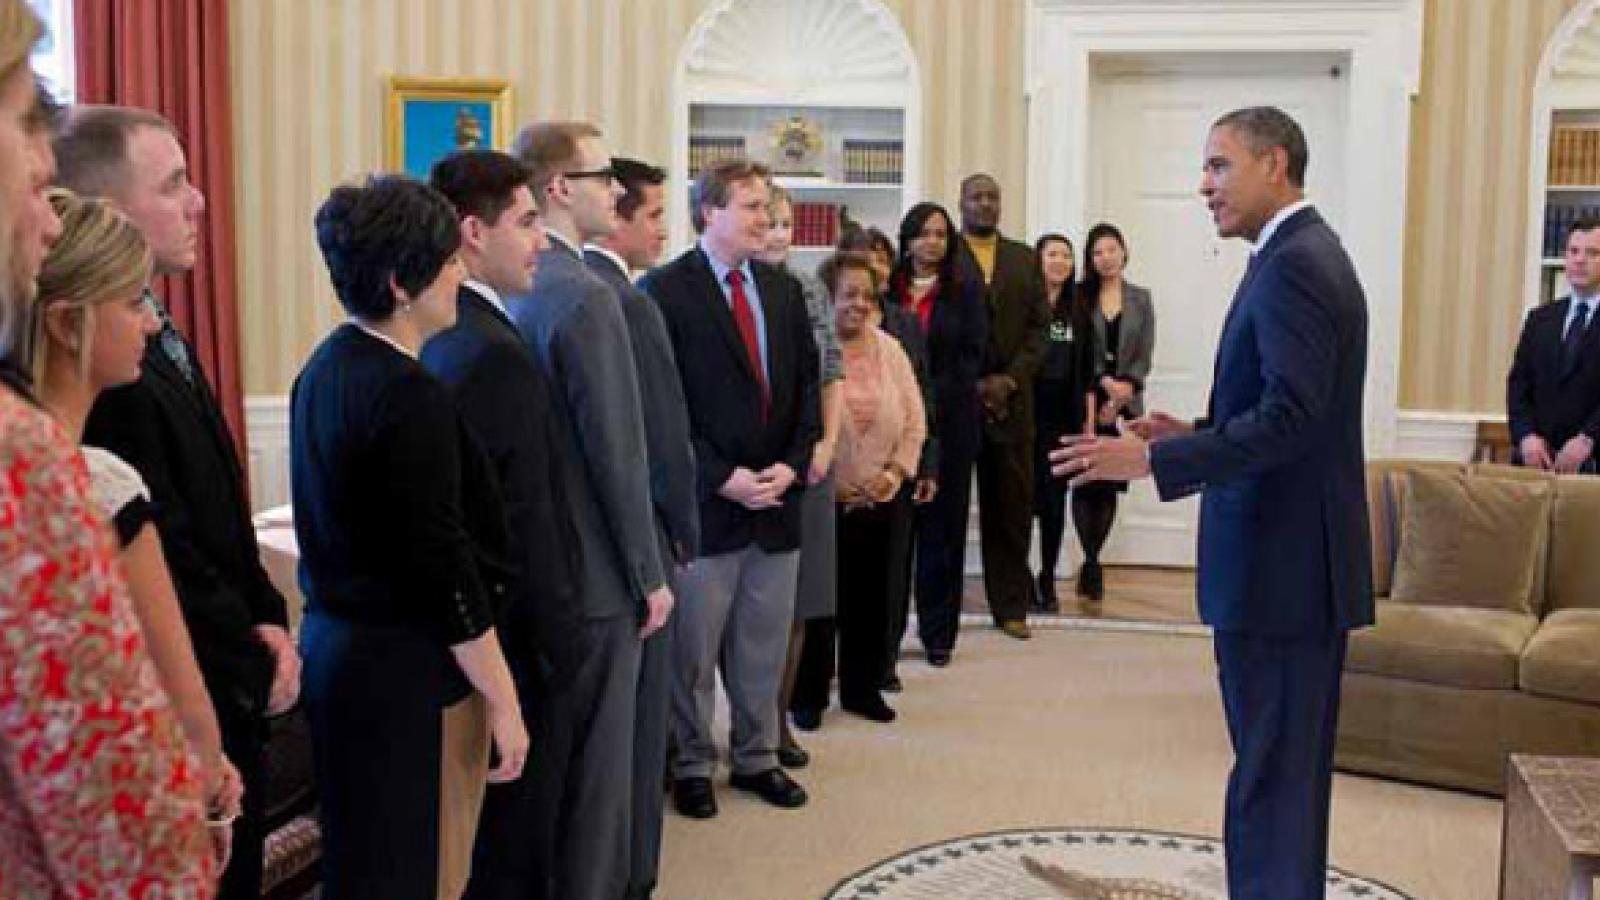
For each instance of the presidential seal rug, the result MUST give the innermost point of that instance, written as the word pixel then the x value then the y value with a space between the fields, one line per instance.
pixel 1071 863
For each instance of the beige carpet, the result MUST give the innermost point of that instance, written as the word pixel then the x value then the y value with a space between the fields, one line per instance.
pixel 1075 727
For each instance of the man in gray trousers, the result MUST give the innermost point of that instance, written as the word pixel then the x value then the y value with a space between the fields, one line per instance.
pixel 749 370
pixel 635 245
pixel 583 757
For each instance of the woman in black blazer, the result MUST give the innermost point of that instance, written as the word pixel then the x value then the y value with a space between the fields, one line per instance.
pixel 950 313
pixel 398 521
pixel 1124 322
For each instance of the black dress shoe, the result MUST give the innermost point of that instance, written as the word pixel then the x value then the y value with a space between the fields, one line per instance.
pixel 1046 601
pixel 1092 582
pixel 892 684
pixel 938 658
pixel 872 708
pixel 772 786
pixel 792 755
pixel 806 719
pixel 694 798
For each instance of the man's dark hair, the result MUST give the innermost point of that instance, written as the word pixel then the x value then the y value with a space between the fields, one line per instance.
pixel 1583 224
pixel 481 183
pixel 635 176
pixel 91 146
pixel 714 187
pixel 1266 127
pixel 390 227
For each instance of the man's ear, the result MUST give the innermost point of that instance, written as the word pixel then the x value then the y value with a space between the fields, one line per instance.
pixel 472 229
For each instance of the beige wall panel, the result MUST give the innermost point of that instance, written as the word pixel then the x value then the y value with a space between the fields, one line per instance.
pixel 1466 225
pixel 308 90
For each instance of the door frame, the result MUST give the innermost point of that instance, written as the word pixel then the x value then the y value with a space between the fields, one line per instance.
pixel 1381 38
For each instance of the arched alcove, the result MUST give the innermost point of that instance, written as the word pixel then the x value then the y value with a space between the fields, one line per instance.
pixel 1566 89
pixel 845 66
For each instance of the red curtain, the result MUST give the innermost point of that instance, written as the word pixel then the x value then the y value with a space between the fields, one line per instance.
pixel 171 56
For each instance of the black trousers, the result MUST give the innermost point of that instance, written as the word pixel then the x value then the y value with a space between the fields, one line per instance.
pixel 244 741
pixel 652 721
pixel 1051 397
pixel 865 576
pixel 1005 523
pixel 902 546
pixel 941 527
pixel 374 697
pixel 1281 698
pixel 504 866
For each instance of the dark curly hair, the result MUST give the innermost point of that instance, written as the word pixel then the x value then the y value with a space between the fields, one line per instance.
pixel 390 227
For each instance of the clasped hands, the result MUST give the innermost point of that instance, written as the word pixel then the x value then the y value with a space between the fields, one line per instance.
pixel 881 488
pixel 758 490
pixel 1574 453
pixel 1083 458
pixel 995 391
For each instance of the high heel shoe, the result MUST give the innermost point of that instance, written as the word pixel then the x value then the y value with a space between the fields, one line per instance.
pixel 1046 601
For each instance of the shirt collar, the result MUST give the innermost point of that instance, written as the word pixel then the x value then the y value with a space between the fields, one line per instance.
pixel 1271 227
pixel 608 253
pixel 399 347
pixel 488 293
pixel 557 237
pixel 720 269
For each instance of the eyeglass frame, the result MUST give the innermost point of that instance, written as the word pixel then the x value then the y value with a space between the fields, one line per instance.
pixel 609 173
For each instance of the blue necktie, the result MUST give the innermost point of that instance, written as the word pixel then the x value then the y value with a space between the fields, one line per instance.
pixel 1574 338
pixel 172 345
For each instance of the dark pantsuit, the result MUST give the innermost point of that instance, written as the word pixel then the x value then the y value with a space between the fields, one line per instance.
pixel 1053 399
pixel 866 574
pixel 1005 522
pixel 244 743
pixel 902 542
pixel 942 553
pixel 510 811
pixel 374 704
pixel 582 759
pixel 651 722
pixel 1281 698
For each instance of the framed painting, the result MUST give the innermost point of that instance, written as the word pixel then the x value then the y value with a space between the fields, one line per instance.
pixel 430 118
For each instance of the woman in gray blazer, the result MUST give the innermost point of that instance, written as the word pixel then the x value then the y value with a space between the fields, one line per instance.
pixel 1124 322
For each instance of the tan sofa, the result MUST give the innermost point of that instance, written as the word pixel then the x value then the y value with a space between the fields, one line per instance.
pixel 1440 693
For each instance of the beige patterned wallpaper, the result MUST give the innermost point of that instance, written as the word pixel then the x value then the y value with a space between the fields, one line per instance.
pixel 308 88
pixel 308 102
pixel 1467 216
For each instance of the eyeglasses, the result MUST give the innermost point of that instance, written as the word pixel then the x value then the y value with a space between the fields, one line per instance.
pixel 609 173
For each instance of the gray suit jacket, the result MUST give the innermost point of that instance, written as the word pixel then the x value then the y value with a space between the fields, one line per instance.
pixel 666 413
pixel 1136 342
pixel 574 324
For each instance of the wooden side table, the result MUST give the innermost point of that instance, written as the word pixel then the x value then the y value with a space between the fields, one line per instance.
pixel 1550 843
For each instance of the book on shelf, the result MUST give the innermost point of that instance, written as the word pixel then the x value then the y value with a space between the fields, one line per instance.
pixel 873 161
pixel 707 150
pixel 1575 156
pixel 815 224
pixel 1558 220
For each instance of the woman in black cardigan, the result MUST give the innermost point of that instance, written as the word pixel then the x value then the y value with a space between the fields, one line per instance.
pixel 398 521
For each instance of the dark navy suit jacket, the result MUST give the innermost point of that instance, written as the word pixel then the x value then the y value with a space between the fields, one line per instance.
pixel 1284 545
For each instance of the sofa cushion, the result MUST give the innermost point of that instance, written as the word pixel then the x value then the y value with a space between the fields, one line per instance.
pixel 1385 501
pixel 1451 646
pixel 1574 571
pixel 1561 661
pixel 1472 541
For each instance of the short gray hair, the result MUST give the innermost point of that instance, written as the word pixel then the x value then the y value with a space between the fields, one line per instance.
pixel 1266 127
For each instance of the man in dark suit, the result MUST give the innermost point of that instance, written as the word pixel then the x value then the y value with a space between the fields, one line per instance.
pixel 577 331
pixel 1285 567
pixel 749 369
pixel 634 245
pixel 1553 390
pixel 505 399
pixel 168 426
pixel 1018 318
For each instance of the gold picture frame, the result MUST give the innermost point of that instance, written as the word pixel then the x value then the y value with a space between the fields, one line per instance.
pixel 426 119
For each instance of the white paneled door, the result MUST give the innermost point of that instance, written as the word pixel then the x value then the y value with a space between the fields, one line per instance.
pixel 1149 119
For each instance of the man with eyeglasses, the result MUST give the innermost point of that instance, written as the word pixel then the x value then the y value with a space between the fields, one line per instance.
pixel 583 755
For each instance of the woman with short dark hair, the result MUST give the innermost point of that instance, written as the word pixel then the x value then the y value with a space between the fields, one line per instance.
pixel 398 522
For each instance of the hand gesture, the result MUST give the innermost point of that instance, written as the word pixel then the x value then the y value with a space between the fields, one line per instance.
pixel 746 488
pixel 1158 426
pixel 658 608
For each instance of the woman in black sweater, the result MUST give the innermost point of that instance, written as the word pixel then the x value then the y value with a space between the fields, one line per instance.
pixel 399 524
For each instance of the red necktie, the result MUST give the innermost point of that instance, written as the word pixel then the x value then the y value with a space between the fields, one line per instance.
pixel 745 318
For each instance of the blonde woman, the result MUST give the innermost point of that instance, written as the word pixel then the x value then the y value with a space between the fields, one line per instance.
pixel 99 796
pixel 90 322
